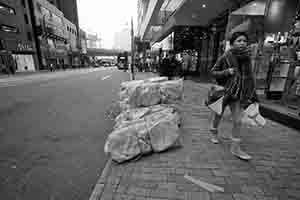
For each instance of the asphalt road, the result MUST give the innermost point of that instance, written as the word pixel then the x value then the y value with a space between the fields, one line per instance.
pixel 52 131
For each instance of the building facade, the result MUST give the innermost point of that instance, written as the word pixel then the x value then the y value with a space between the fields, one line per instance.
pixel 122 40
pixel 72 42
pixel 70 11
pixel 17 46
pixel 55 36
pixel 93 41
pixel 83 41
pixel 201 31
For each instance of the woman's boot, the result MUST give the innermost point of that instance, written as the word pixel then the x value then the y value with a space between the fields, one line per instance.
pixel 214 136
pixel 236 150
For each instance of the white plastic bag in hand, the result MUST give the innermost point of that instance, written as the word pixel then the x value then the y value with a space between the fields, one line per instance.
pixel 252 110
pixel 248 121
pixel 252 116
pixel 217 106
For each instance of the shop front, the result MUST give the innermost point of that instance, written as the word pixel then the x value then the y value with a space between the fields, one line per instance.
pixel 185 42
pixel 7 64
pixel 54 52
pixel 282 38
pixel 274 32
pixel 19 56
pixel 25 57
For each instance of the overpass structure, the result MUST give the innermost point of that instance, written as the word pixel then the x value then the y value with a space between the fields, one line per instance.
pixel 103 52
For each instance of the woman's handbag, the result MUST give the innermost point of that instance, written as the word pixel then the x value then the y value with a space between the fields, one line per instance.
pixel 215 99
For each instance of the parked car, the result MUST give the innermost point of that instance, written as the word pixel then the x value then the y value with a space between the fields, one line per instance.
pixel 95 65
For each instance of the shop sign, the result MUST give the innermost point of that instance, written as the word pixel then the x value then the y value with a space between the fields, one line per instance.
pixel 61 47
pixel 24 47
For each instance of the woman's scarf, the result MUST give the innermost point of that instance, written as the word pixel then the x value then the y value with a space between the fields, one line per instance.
pixel 243 53
pixel 241 85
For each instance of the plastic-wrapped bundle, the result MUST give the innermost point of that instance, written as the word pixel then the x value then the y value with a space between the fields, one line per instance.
pixel 143 130
pixel 150 92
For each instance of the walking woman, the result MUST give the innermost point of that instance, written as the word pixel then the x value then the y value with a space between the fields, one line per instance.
pixel 233 71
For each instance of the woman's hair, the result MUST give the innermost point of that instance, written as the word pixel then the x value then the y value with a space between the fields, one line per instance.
pixel 237 34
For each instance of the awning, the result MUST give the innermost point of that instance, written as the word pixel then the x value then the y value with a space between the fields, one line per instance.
pixel 256 7
pixel 195 13
pixel 248 18
pixel 152 12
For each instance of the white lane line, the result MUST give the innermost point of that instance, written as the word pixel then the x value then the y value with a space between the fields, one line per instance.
pixel 106 77
pixel 6 86
pixel 40 78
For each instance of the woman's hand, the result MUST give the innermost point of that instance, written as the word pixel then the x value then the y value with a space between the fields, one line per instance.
pixel 231 71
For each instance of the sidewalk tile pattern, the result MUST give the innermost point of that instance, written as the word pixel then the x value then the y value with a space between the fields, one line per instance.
pixel 273 174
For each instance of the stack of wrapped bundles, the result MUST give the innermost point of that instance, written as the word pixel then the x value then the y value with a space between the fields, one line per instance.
pixel 149 121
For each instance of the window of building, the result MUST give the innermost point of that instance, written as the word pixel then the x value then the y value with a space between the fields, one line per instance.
pixel 2 45
pixel 29 36
pixel 26 19
pixel 9 29
pixel 7 9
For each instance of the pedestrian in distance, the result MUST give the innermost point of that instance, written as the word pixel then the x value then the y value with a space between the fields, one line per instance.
pixel 51 67
pixel 170 66
pixel 233 71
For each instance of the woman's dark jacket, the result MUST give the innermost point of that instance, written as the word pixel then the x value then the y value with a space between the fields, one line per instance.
pixel 241 85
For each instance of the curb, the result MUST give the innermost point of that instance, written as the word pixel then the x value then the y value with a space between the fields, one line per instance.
pixel 99 187
pixel 288 119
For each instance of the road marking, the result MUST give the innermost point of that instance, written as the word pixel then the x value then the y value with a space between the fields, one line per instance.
pixel 40 78
pixel 3 85
pixel 106 77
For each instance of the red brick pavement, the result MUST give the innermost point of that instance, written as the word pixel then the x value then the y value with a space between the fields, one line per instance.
pixel 273 174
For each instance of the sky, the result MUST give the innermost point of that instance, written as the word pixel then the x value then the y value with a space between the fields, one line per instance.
pixel 106 17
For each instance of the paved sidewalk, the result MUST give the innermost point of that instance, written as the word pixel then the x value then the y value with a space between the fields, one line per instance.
pixel 273 174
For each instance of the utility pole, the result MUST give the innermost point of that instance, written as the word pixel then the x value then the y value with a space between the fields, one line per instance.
pixel 132 51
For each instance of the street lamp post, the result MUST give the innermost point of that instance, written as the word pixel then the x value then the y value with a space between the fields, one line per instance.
pixel 132 51
pixel 44 40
